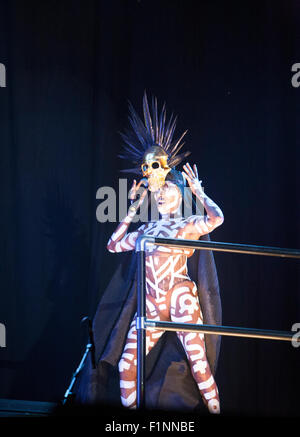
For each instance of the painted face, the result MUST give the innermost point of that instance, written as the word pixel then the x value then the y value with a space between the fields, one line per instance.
pixel 155 167
pixel 168 198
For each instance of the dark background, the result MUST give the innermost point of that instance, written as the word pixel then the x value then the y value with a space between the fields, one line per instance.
pixel 225 68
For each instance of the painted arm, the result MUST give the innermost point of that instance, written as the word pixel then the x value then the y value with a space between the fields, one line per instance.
pixel 121 241
pixel 214 218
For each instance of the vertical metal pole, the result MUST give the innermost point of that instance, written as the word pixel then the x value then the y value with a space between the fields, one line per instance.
pixel 141 329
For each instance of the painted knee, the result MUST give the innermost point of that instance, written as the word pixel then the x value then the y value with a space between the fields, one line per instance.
pixel 127 366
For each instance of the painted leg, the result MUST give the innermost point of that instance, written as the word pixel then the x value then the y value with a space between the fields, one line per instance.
pixel 185 308
pixel 128 363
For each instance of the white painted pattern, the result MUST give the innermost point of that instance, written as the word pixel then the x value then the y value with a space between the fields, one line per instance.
pixel 171 295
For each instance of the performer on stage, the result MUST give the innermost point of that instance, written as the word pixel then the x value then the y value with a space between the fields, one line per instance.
pixel 181 285
pixel 170 292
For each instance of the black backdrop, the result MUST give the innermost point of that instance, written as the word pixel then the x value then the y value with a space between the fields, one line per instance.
pixel 225 68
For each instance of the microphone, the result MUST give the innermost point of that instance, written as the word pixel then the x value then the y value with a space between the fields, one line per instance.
pixel 142 184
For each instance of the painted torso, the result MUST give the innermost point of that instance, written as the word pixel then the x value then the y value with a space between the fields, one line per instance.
pixel 165 267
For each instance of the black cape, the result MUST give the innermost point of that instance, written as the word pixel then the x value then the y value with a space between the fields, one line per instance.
pixel 169 382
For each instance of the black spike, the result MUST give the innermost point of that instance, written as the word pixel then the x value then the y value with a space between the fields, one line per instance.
pixel 147 117
pixel 177 159
pixel 153 130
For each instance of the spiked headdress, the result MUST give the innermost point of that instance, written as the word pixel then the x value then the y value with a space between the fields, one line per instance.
pixel 153 135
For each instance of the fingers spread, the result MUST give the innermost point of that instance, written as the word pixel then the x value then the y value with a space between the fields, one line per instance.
pixel 189 170
pixel 139 184
pixel 186 177
pixel 195 170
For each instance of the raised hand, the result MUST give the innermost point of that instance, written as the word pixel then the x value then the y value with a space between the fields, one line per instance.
pixel 135 190
pixel 191 175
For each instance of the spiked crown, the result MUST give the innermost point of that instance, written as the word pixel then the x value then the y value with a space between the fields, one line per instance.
pixel 152 132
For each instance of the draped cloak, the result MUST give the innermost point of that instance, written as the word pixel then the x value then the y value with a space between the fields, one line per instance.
pixel 169 381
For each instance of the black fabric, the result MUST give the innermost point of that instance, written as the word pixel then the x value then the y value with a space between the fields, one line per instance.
pixel 169 382
pixel 225 68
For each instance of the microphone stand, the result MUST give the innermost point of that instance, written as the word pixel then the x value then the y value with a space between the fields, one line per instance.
pixel 90 348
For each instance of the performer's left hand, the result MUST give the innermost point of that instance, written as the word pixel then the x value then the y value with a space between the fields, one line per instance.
pixel 191 175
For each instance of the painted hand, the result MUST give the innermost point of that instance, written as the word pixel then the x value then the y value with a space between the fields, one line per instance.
pixel 191 175
pixel 137 190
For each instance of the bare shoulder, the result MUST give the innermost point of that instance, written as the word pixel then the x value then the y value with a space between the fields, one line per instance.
pixel 190 221
pixel 189 227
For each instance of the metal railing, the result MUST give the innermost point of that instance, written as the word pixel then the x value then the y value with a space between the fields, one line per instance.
pixel 142 323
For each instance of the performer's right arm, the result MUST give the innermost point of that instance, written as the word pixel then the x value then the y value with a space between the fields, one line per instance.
pixel 121 241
